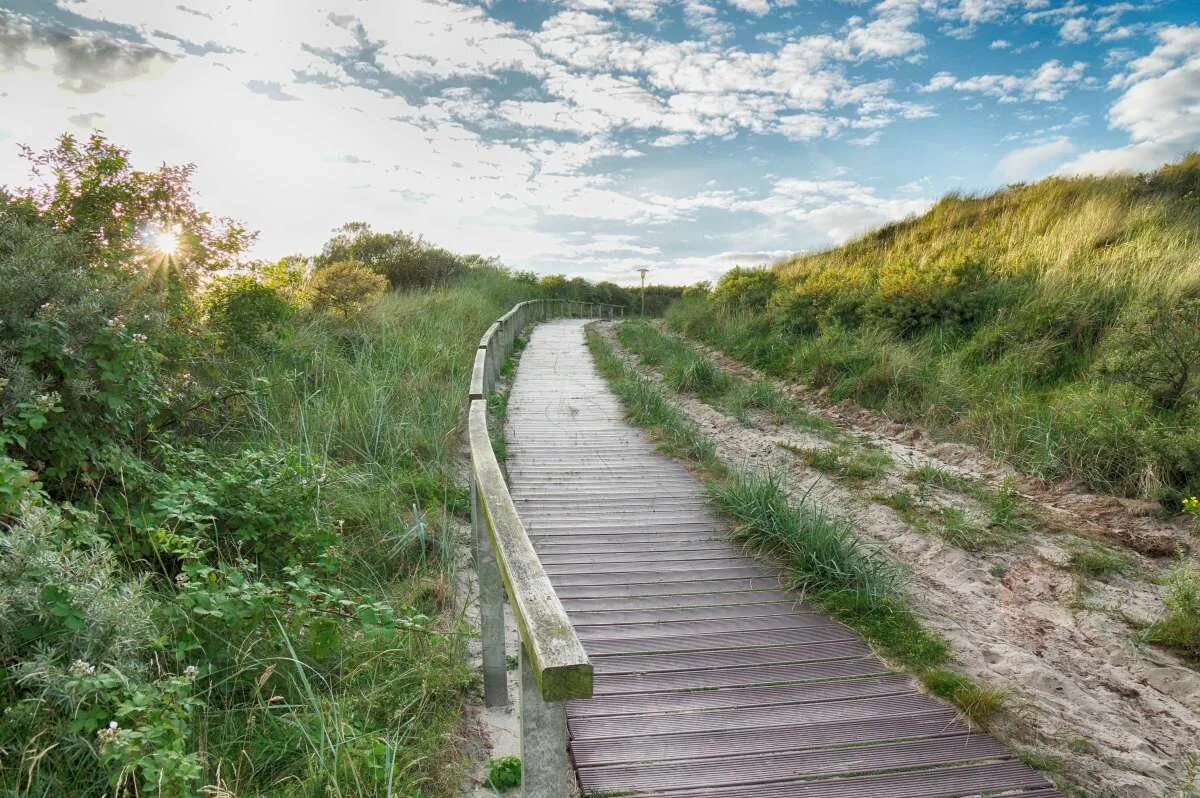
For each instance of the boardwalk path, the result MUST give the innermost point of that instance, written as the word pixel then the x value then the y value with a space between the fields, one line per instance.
pixel 710 679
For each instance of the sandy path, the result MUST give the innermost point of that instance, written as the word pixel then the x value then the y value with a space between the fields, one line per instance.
pixel 1119 719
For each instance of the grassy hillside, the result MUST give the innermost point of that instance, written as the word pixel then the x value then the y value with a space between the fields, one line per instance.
pixel 1057 324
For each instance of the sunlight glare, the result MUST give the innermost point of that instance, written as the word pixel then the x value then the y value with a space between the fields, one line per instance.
pixel 166 242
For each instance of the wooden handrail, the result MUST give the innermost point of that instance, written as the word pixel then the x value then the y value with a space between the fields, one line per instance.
pixel 554 665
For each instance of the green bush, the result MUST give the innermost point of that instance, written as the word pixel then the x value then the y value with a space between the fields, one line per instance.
pixel 345 287
pixel 1180 628
pixel 741 290
pixel 504 774
pixel 1157 349
pixel 246 312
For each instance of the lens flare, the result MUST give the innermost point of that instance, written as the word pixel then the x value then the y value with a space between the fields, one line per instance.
pixel 165 242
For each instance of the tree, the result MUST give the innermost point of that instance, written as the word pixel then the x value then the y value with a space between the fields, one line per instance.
pixel 90 190
pixel 345 287
pixel 406 261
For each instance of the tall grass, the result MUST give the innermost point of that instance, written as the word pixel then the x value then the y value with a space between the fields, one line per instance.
pixel 993 319
pixel 686 370
pixel 376 403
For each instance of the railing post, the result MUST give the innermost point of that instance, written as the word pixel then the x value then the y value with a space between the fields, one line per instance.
pixel 543 739
pixel 491 608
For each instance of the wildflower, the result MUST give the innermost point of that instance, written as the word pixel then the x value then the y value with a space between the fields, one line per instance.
pixel 1191 505
pixel 181 579
pixel 80 668
pixel 108 735
pixel 191 672
pixel 139 338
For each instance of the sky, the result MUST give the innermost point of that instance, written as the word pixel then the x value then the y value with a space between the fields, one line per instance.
pixel 592 137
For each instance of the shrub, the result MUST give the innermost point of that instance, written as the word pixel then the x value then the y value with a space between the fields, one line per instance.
pixel 1157 349
pixel 744 289
pixel 1180 628
pixel 345 287
pixel 406 262
pixel 244 311
pixel 504 773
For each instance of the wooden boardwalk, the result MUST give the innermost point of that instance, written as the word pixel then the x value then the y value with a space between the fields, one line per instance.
pixel 710 680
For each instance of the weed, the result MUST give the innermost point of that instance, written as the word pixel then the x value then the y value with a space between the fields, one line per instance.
pixel 1180 628
pixel 998 570
pixel 504 774
pixel 979 704
pixel 845 461
pixel 1096 561
pixel 698 375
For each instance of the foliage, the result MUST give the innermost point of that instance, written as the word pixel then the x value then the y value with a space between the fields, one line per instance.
pixel 741 290
pixel 504 773
pixel 345 287
pixel 1180 627
pixel 1158 350
pixel 91 192
pixel 407 262
pixel 245 311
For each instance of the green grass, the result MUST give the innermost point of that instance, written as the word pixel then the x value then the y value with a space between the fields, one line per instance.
pixel 1001 320
pixel 377 403
pixel 687 371
pixel 1094 560
pixel 823 557
pixel 1179 628
pixel 846 461
pixel 1005 516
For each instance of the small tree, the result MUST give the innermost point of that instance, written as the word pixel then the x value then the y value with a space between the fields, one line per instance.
pixel 1158 351
pixel 345 287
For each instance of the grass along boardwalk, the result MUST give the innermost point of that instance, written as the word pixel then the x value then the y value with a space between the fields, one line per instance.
pixel 710 679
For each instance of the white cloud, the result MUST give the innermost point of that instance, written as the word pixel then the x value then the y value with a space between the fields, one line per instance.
pixel 1034 161
pixel 1074 30
pixel 1048 83
pixel 1159 109
pixel 1000 44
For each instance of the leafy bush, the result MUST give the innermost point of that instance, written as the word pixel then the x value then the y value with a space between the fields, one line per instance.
pixel 245 311
pixel 744 289
pixel 1158 350
pixel 345 287
pixel 504 773
pixel 1180 628
pixel 406 262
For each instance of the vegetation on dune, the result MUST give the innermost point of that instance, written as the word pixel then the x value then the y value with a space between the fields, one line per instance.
pixel 225 496
pixel 686 370
pixel 1057 324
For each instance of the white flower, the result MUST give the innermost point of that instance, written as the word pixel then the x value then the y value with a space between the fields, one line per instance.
pixel 191 672
pixel 81 668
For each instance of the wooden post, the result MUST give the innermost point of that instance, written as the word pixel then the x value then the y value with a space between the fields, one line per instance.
pixel 543 740
pixel 491 608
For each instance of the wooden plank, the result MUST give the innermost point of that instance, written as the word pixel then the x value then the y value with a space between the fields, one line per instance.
pixel 784 767
pixel 595 753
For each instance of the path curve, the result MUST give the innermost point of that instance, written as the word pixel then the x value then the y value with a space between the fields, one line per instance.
pixel 710 679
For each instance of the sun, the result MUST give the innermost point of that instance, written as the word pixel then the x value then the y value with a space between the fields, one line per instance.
pixel 165 242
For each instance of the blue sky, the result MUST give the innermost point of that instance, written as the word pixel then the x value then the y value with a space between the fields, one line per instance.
pixel 594 136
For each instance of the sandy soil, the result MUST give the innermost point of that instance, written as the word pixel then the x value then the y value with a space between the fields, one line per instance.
pixel 1120 719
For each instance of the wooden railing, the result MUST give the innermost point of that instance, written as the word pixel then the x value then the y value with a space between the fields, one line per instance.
pixel 554 666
